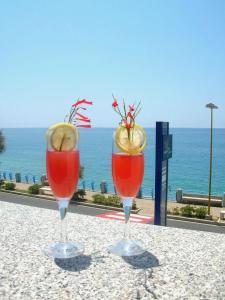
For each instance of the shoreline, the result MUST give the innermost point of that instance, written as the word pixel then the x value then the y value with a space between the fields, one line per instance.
pixel 145 205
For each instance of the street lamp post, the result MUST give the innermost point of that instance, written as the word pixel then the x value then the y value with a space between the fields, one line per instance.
pixel 211 106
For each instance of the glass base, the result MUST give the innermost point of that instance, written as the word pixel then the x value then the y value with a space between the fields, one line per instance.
pixel 63 250
pixel 127 248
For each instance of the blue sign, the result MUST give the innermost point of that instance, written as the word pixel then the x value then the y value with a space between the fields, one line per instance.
pixel 167 146
pixel 163 153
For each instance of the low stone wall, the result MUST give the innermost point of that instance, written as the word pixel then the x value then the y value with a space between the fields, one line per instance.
pixel 197 199
pixel 201 201
pixel 178 263
pixel 201 196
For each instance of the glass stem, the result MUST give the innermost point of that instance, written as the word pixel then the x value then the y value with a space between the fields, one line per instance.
pixel 63 206
pixel 127 206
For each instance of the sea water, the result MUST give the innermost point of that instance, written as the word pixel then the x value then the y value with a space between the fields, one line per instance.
pixel 188 168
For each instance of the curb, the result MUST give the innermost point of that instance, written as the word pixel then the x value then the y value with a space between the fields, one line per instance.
pixel 28 195
pixel 194 220
pixel 133 211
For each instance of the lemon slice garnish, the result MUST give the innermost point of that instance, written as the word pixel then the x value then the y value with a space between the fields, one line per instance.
pixel 133 144
pixel 62 136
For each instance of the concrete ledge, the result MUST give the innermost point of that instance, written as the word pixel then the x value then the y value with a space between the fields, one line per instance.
pixel 201 196
pixel 177 263
pixel 200 201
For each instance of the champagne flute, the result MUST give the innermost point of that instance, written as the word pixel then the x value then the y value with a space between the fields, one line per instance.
pixel 127 173
pixel 63 165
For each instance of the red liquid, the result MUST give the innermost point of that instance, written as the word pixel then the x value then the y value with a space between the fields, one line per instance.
pixel 127 172
pixel 63 172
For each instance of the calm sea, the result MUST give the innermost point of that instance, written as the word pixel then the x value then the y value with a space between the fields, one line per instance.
pixel 188 169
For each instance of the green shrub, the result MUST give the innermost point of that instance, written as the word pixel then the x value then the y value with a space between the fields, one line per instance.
pixel 98 198
pixel 176 211
pixel 10 186
pixel 134 206
pixel 34 189
pixel 45 183
pixel 2 182
pixel 200 212
pixel 190 211
pixel 111 200
pixel 79 195
pixel 187 211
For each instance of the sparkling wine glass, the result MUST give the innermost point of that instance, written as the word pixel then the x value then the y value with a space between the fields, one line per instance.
pixel 127 173
pixel 63 165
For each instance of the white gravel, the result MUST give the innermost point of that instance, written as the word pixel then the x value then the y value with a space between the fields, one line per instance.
pixel 178 264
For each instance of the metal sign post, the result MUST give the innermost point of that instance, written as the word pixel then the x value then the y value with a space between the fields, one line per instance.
pixel 163 153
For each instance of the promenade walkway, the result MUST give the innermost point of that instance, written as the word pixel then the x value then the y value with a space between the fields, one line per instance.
pixel 146 205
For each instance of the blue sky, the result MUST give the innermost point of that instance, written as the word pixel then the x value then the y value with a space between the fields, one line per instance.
pixel 169 54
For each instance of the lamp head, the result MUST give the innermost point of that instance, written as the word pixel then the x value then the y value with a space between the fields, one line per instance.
pixel 211 106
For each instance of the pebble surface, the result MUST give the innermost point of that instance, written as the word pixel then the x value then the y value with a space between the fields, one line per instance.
pixel 177 264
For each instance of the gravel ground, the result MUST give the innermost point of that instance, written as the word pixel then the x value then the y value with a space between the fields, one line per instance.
pixel 177 264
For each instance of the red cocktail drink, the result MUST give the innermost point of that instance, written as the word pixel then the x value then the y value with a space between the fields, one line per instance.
pixel 63 168
pixel 63 172
pixel 127 172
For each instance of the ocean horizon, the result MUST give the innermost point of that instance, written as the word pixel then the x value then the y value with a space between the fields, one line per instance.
pixel 188 168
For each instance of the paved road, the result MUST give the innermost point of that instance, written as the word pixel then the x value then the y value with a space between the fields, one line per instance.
pixel 80 209
pixel 49 204
pixel 196 226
